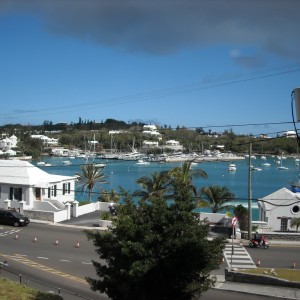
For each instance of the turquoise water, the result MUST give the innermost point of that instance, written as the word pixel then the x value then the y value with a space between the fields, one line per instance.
pixel 125 173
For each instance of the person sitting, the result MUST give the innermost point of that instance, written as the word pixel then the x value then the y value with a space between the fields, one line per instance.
pixel 257 237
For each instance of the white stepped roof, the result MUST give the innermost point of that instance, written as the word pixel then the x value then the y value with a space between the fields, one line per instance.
pixel 20 172
pixel 280 197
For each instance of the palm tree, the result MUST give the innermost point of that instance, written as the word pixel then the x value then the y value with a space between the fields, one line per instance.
pixel 295 222
pixel 155 185
pixel 110 197
pixel 185 175
pixel 215 197
pixel 89 176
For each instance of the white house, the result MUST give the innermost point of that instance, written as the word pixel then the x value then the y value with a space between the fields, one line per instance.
pixel 150 130
pixel 150 144
pixel 278 208
pixel 45 139
pixel 8 143
pixel 23 184
pixel 174 145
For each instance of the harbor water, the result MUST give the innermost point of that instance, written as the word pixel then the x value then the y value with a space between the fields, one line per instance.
pixel 265 180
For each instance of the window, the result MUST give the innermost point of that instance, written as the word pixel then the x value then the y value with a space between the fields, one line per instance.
pixel 295 209
pixel 283 224
pixel 15 193
pixel 52 191
pixel 66 188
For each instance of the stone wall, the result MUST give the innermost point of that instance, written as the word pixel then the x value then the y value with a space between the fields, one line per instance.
pixel 285 236
pixel 236 276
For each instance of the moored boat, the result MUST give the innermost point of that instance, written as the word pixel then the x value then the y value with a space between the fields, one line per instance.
pixel 232 167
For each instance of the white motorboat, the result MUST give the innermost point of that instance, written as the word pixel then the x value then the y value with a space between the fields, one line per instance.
pixel 232 167
pixel 67 162
pixel 256 169
pixel 266 164
pixel 100 165
pixel 142 162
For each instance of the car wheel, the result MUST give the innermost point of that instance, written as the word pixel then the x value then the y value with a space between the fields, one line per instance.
pixel 16 224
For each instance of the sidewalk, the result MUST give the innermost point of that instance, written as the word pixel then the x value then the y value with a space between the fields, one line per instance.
pixel 255 289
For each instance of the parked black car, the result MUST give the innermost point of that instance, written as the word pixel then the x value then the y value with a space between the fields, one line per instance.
pixel 11 217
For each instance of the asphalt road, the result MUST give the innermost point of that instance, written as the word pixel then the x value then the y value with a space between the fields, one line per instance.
pixel 276 256
pixel 61 256
pixel 50 254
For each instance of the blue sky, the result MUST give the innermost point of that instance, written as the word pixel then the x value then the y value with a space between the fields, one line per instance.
pixel 176 63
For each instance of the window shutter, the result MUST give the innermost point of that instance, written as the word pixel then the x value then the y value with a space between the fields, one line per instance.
pixel 20 194
pixel 49 192
pixel 11 193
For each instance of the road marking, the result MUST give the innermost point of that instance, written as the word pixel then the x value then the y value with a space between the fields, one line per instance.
pixel 86 263
pixel 36 265
pixel 65 260
pixel 41 257
pixel 240 257
pixel 8 232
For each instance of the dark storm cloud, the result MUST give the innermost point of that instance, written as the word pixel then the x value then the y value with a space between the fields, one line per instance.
pixel 166 26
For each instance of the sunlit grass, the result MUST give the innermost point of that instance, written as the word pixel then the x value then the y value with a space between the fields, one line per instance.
pixel 11 290
pixel 287 274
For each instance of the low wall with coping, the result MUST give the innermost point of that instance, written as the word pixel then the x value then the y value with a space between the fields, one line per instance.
pixel 236 276
pixel 47 215
pixel 284 236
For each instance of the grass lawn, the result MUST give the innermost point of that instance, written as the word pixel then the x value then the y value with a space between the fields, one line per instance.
pixel 287 274
pixel 12 290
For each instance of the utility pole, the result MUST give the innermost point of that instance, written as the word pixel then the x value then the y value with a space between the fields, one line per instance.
pixel 250 194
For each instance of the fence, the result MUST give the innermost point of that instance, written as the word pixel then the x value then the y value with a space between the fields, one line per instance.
pixel 40 286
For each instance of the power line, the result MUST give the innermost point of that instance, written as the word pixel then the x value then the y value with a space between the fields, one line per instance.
pixel 166 92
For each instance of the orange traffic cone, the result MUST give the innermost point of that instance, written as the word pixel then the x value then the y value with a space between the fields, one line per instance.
pixel 258 263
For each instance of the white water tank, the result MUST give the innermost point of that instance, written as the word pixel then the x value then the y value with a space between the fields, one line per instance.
pixel 296 92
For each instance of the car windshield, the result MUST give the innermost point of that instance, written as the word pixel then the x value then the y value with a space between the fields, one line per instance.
pixel 16 214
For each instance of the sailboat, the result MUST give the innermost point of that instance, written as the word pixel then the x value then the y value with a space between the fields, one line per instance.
pixel 281 167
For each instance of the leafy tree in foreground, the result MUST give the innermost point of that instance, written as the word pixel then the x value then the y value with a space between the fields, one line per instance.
pixel 216 198
pixel 156 249
pixel 90 175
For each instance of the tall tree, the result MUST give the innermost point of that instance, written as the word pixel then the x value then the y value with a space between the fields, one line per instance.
pixel 241 213
pixel 156 250
pixel 216 198
pixel 90 175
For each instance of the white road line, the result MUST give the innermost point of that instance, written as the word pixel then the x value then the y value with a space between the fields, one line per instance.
pixel 86 263
pixel 65 260
pixel 41 257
